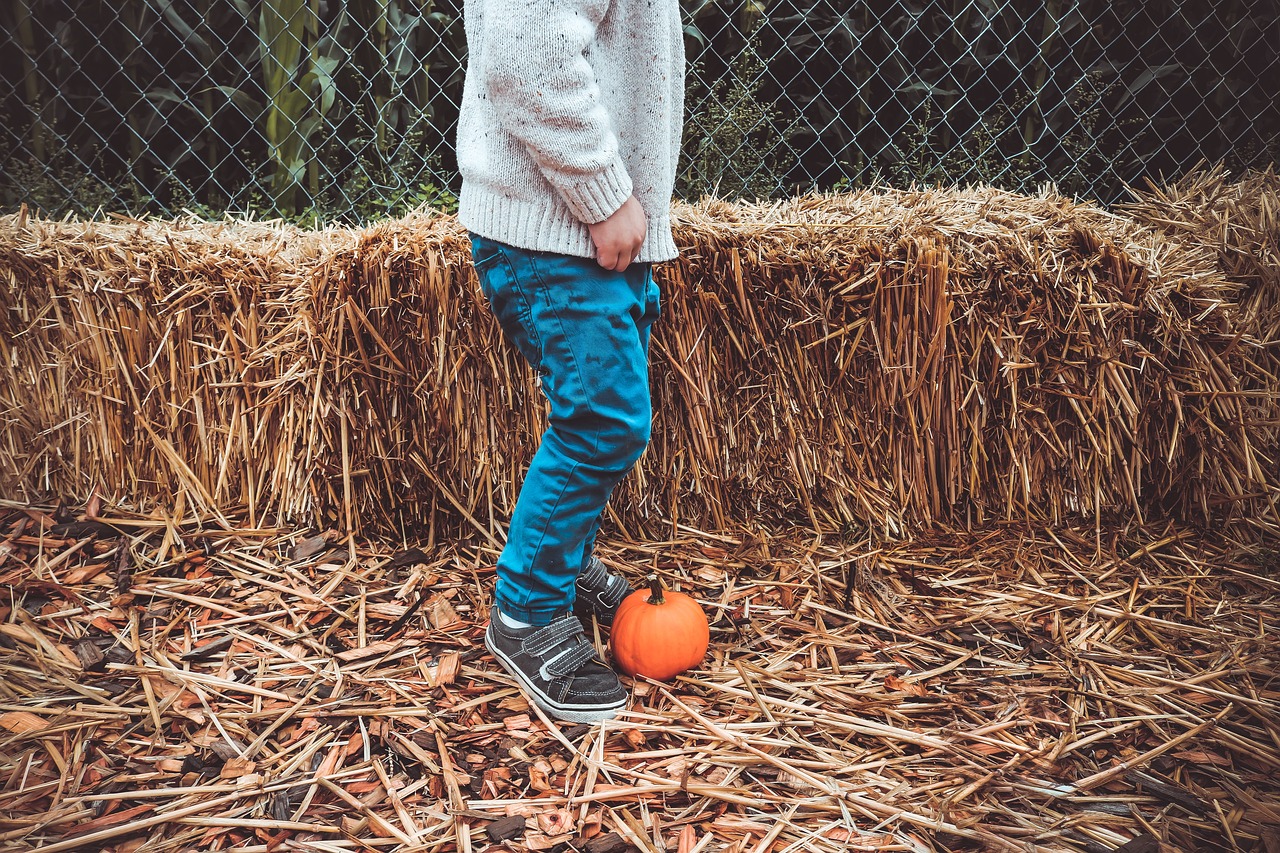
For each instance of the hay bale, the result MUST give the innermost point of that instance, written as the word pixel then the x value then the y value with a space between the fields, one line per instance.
pixel 1238 221
pixel 146 359
pixel 888 360
pixel 972 355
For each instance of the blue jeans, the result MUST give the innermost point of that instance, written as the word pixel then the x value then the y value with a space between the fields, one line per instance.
pixel 585 330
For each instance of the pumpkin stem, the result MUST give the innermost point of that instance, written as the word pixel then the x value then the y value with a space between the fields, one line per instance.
pixel 655 589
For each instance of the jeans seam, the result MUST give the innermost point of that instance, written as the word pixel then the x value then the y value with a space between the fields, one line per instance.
pixel 525 313
pixel 573 357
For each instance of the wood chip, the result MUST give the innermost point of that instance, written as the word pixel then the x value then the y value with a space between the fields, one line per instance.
pixel 506 829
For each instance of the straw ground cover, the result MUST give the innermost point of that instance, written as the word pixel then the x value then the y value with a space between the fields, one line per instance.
pixel 168 684
pixel 883 360
pixel 978 439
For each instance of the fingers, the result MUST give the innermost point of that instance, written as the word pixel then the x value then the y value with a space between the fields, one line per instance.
pixel 625 259
pixel 615 258
pixel 607 259
pixel 618 239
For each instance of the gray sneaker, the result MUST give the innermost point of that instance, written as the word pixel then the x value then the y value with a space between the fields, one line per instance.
pixel 558 668
pixel 599 592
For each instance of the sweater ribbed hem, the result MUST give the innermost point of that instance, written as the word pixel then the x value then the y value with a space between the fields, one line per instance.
pixel 549 227
pixel 596 199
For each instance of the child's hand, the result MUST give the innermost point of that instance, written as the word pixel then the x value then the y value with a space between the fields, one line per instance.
pixel 619 237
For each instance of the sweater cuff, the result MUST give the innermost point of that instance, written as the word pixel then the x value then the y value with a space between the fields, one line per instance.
pixel 598 197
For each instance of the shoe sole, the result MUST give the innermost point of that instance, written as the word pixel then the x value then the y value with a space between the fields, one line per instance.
pixel 567 713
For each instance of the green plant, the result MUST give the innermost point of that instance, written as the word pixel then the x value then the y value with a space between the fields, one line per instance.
pixel 734 144
pixel 298 94
pixel 63 182
pixel 994 150
pixel 363 183
pixel 30 79
pixel 1088 76
pixel 898 89
pixel 387 179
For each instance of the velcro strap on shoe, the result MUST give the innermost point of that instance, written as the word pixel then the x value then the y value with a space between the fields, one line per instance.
pixel 571 660
pixel 617 590
pixel 596 582
pixel 594 576
pixel 545 639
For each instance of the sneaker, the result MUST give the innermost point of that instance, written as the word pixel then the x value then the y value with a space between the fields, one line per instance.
pixel 599 593
pixel 558 667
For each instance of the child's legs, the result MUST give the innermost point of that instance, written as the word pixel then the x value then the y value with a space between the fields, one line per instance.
pixel 585 329
pixel 651 311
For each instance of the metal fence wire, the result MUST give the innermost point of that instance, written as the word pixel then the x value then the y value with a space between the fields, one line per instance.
pixel 346 111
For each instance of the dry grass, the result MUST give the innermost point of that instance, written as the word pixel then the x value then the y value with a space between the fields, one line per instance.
pixel 1008 467
pixel 885 361
pixel 167 684
pixel 1239 221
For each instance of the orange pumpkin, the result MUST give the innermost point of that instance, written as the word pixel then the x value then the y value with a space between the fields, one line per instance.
pixel 659 633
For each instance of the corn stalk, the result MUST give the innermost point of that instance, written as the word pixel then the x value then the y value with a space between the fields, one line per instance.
pixel 1048 34
pixel 373 51
pixel 299 94
pixel 30 80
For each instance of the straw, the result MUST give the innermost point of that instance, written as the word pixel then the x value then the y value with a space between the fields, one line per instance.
pixel 881 360
pixel 1005 688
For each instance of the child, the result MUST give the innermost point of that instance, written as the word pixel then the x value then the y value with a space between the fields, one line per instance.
pixel 568 136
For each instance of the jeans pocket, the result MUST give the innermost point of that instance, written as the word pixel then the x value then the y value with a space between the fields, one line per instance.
pixel 508 300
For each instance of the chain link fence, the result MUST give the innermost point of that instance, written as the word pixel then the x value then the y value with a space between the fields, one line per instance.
pixel 345 111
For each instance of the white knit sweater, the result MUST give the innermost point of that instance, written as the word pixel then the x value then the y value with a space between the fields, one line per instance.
pixel 568 108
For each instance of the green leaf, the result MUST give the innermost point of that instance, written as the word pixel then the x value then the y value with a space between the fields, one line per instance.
pixel 249 105
pixel 188 33
pixel 281 24
pixel 1145 79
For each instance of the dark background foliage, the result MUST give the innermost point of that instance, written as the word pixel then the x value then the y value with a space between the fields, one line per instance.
pixel 325 110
